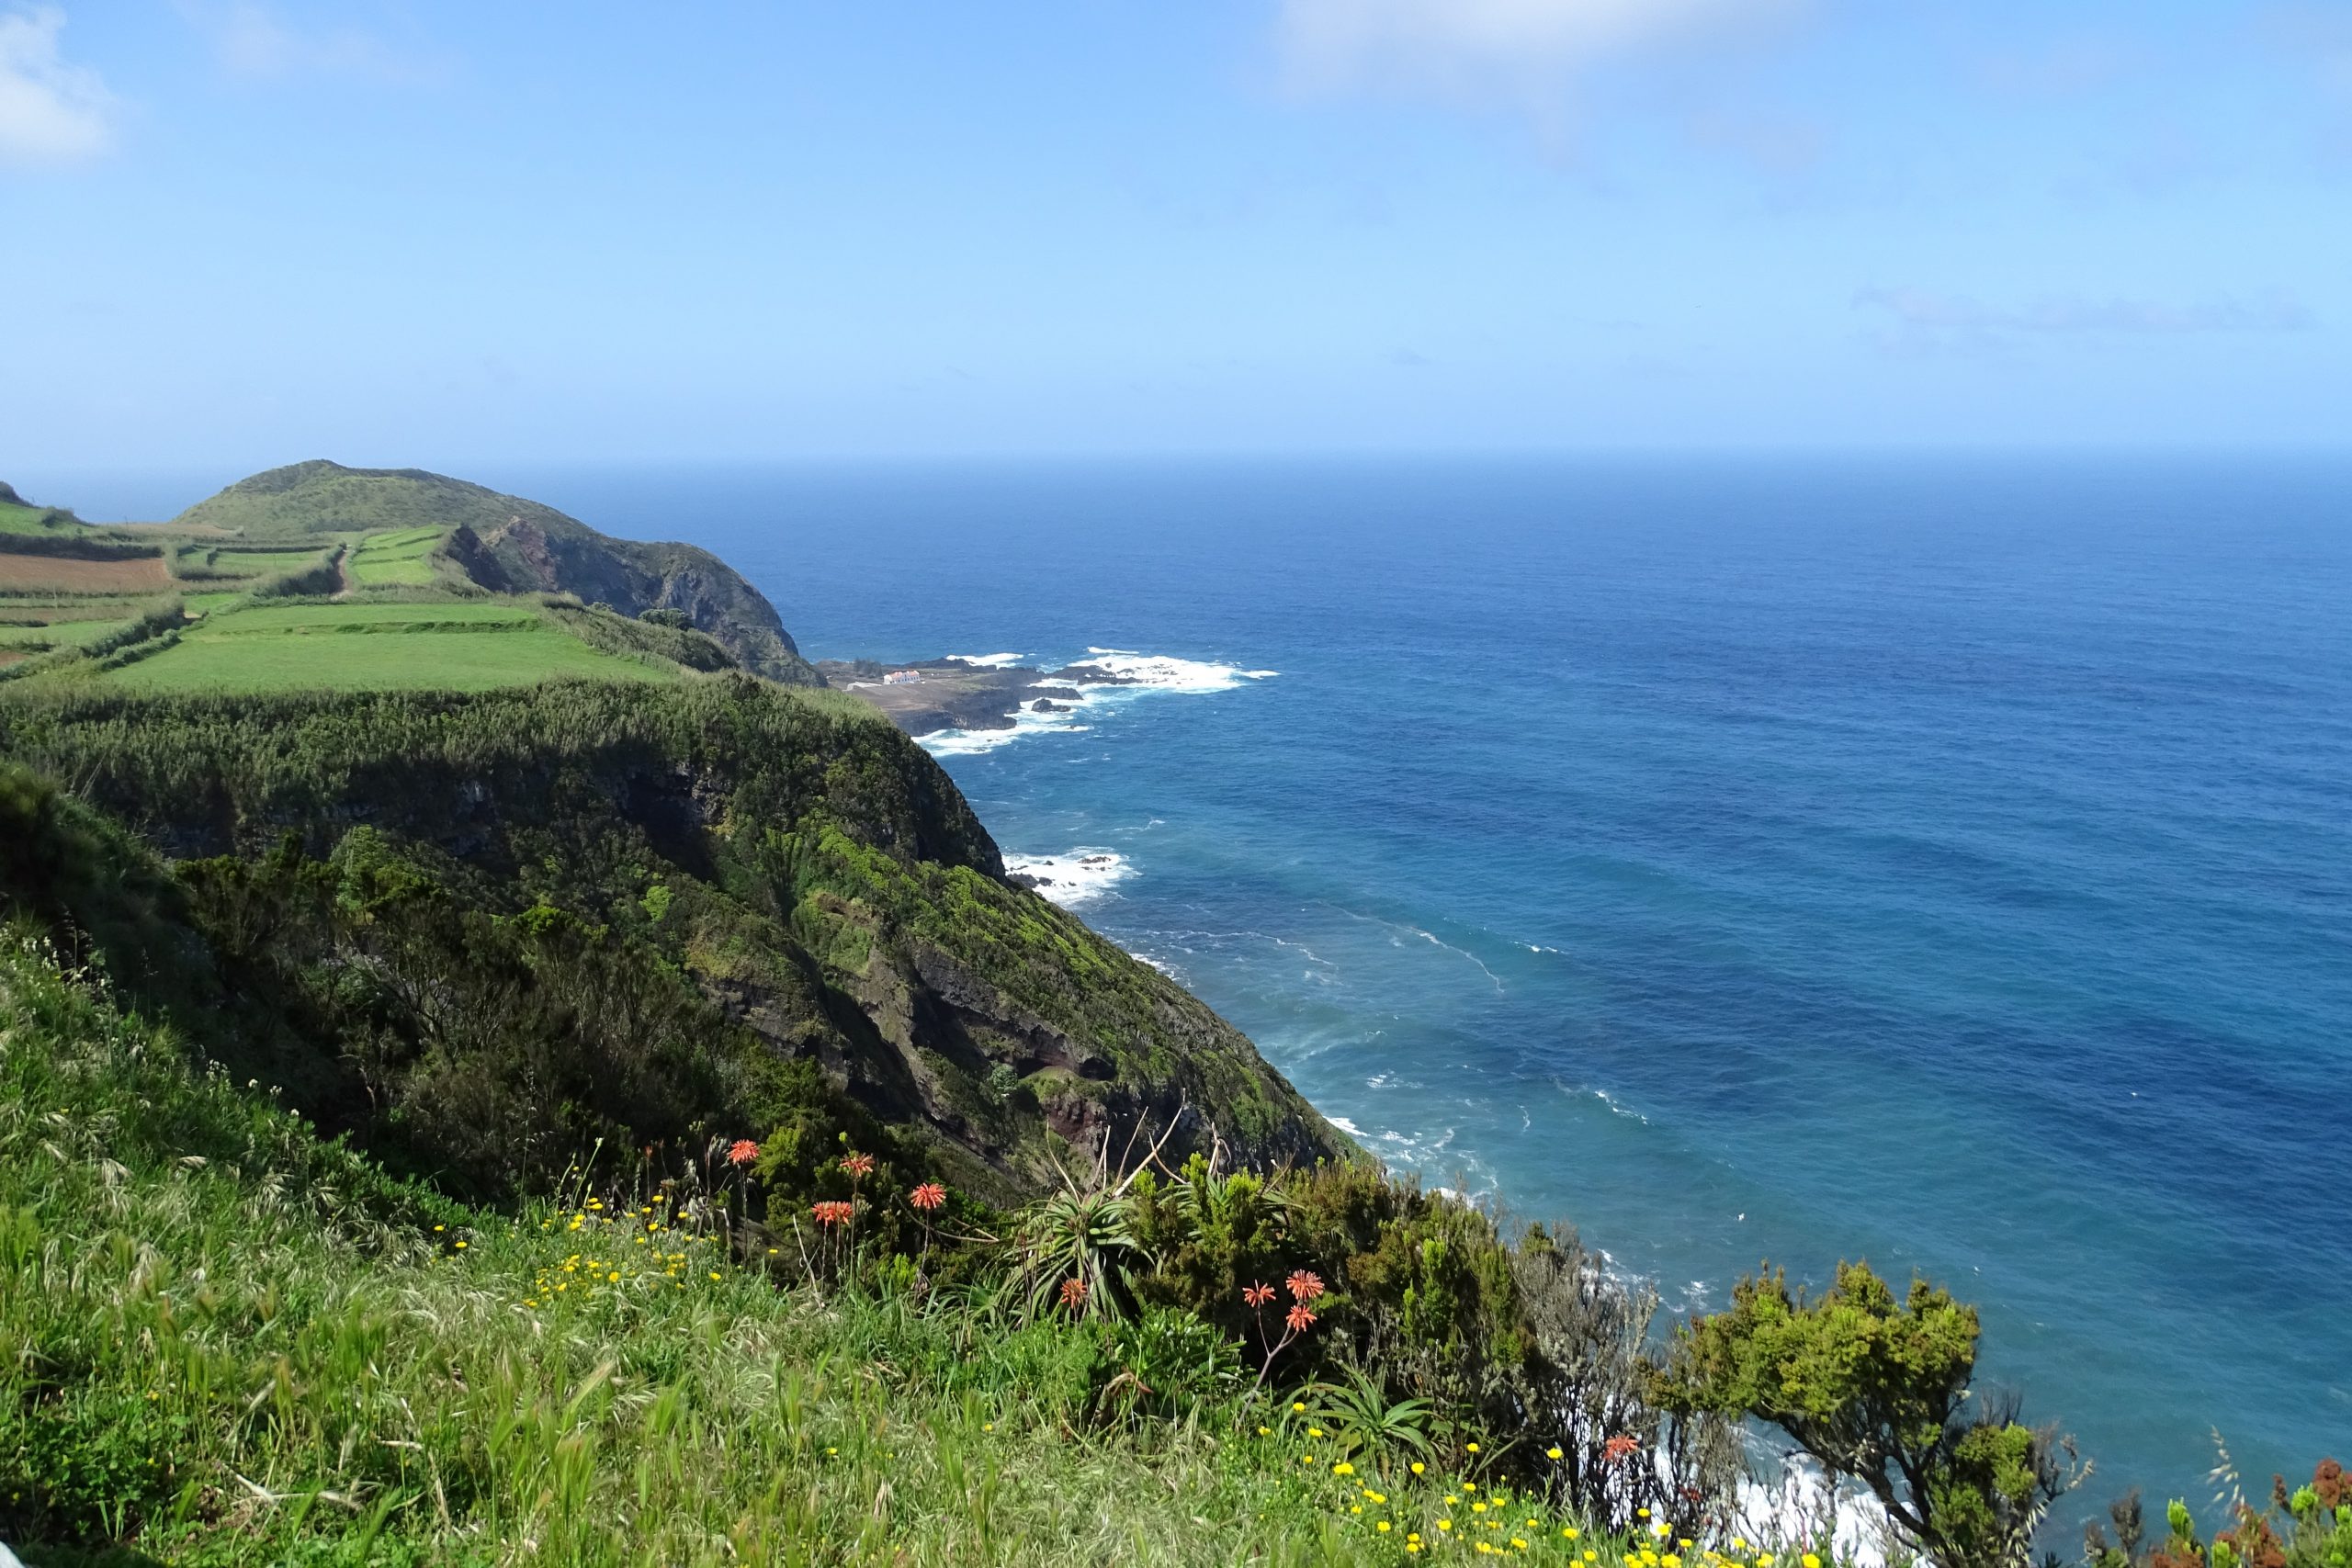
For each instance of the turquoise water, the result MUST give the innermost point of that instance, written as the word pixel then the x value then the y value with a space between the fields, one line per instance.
pixel 1944 864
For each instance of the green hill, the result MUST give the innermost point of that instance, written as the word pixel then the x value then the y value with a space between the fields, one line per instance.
pixel 770 877
pixel 508 545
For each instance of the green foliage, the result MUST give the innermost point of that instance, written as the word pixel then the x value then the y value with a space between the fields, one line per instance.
pixel 2308 1527
pixel 1875 1389
pixel 224 1341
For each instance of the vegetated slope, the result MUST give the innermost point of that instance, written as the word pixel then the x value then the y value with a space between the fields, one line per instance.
pixel 580 910
pixel 230 1342
pixel 509 544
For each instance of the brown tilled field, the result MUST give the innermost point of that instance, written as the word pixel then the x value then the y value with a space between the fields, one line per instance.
pixel 58 574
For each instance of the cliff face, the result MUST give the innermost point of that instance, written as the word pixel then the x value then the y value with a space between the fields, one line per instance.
pixel 816 882
pixel 509 544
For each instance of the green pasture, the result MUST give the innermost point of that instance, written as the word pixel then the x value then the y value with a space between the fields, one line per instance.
pixel 56 634
pixel 401 559
pixel 362 647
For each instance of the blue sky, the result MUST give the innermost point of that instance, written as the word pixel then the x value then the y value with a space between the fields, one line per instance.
pixel 239 233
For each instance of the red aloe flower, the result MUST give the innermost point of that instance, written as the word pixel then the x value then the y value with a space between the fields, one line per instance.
pixel 929 1196
pixel 1620 1447
pixel 1306 1287
pixel 1073 1293
pixel 858 1165
pixel 833 1211
pixel 1300 1320
pixel 742 1151
pixel 1257 1295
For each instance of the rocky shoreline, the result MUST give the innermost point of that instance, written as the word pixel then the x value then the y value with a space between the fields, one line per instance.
pixel 956 693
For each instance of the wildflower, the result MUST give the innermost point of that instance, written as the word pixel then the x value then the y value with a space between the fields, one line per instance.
pixel 1265 1431
pixel 461 1247
pixel 1469 1486
pixel 1570 1532
pixel 1255 1296
pixel 1073 1293
pixel 1343 1468
pixel 1638 1513
pixel 1445 1524
pixel 1552 1453
pixel 1382 1527
pixel 1297 1405
pixel 1810 1560
pixel 833 1211
pixel 931 1195
pixel 1622 1447
pixel 858 1165
pixel 1472 1447
pixel 1304 1287
pixel 1419 1467
pixel 1300 1320
pixel 1518 1543
pixel 742 1151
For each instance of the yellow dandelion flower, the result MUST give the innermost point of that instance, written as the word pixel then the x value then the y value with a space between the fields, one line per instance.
pixel 1640 1513
pixel 1810 1560
pixel 1472 1447
pixel 1552 1453
pixel 1419 1467
pixel 1518 1543
pixel 1570 1532
pixel 1265 1431
pixel 1343 1468
pixel 1298 1406
pixel 1445 1524
pixel 1382 1527
pixel 1315 1431
pixel 614 1277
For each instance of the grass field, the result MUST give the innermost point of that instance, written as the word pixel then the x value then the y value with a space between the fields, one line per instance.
pixel 205 604
pixel 259 563
pixel 15 519
pixel 51 574
pixel 55 633
pixel 456 647
pixel 347 618
pixel 46 610
pixel 395 558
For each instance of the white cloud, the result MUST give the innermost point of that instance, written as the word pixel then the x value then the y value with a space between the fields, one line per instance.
pixel 251 40
pixel 50 112
pixel 1485 47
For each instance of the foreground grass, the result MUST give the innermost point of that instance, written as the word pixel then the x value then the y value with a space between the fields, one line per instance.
pixel 222 1341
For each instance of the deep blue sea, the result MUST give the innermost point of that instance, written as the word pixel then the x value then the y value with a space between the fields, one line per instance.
pixel 1942 861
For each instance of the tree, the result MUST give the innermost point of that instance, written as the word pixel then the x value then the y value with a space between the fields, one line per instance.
pixel 1877 1391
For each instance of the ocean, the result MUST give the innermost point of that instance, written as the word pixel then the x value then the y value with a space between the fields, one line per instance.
pixel 1944 861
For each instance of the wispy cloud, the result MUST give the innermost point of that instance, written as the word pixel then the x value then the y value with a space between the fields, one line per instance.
pixel 1483 48
pixel 251 40
pixel 51 112
pixel 1913 320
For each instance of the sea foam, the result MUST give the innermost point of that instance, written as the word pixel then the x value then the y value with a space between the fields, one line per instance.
pixel 1075 877
pixel 1136 674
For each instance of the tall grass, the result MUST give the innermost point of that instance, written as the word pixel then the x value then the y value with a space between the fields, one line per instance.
pixel 225 1341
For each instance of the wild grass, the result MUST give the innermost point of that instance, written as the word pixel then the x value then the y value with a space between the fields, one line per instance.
pixel 224 1341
